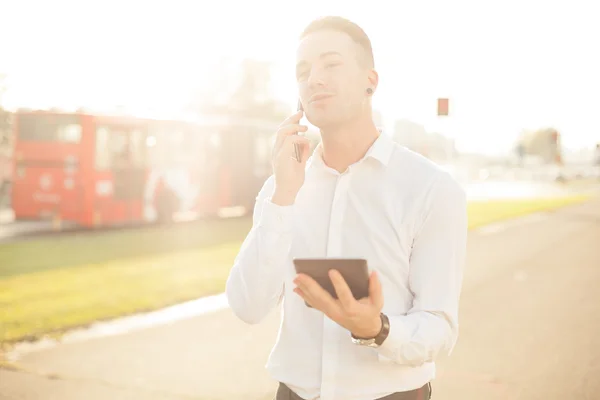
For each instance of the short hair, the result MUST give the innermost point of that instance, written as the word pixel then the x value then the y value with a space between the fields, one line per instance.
pixel 340 24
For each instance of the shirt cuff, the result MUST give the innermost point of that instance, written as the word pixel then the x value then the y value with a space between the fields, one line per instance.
pixel 276 218
pixel 398 337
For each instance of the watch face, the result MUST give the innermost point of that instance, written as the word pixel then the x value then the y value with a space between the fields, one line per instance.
pixel 365 342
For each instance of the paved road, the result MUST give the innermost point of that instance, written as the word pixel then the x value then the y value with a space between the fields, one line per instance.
pixel 529 330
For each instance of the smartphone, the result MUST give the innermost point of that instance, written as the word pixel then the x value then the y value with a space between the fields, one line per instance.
pixel 297 152
pixel 354 271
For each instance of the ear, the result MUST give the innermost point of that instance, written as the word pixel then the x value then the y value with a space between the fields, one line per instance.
pixel 373 78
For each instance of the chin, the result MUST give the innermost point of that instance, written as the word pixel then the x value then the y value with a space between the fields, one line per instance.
pixel 323 121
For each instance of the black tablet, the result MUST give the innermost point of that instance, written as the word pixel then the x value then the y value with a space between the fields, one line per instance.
pixel 354 270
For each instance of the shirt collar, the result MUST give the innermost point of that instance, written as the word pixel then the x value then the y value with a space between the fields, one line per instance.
pixel 381 150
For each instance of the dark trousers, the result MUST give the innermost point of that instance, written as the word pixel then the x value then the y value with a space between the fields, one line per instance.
pixel 423 393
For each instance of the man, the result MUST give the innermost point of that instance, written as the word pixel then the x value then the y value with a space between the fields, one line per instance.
pixel 597 159
pixel 359 196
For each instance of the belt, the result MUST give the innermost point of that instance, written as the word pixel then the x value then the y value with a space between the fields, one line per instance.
pixel 422 393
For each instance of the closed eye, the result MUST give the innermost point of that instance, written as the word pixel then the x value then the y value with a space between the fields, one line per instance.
pixel 301 76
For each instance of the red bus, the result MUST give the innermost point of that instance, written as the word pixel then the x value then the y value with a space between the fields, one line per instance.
pixel 5 156
pixel 5 168
pixel 98 170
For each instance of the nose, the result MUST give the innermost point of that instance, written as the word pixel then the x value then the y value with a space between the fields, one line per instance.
pixel 315 80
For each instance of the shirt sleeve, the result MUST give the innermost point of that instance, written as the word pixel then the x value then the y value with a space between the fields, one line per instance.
pixel 436 271
pixel 255 282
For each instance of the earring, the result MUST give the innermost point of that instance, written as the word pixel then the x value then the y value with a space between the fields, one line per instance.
pixel 369 91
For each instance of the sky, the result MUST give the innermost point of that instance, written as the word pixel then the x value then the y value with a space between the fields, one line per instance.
pixel 505 65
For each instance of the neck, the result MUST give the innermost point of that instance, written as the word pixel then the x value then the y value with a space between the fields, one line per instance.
pixel 345 145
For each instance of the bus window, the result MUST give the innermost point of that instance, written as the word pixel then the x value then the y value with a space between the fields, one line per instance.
pixel 119 147
pixel 69 133
pixel 49 128
pixel 171 145
pixel 102 150
pixel 137 147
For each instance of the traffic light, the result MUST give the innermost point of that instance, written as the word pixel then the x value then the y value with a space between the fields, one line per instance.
pixel 442 107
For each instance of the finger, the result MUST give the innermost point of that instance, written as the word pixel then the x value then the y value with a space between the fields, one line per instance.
pixel 287 131
pixel 291 129
pixel 304 297
pixel 342 290
pixel 319 297
pixel 300 293
pixel 306 283
pixel 288 147
pixel 299 140
pixel 307 299
pixel 294 118
pixel 375 291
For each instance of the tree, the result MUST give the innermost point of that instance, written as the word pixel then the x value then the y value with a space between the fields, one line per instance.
pixel 244 91
pixel 3 88
pixel 5 143
pixel 4 114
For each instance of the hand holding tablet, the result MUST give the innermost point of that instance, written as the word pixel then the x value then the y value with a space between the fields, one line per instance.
pixel 353 270
pixel 344 291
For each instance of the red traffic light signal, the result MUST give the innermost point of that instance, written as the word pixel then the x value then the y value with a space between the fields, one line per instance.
pixel 442 107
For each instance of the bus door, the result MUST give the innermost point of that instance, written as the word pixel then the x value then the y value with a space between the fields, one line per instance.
pixel 210 145
pixel 237 168
pixel 120 173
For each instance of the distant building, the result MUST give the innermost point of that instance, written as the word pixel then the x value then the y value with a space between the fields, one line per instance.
pixel 543 144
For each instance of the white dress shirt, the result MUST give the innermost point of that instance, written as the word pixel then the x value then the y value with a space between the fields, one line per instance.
pixel 407 218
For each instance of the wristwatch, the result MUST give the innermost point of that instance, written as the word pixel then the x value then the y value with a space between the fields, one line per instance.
pixel 379 338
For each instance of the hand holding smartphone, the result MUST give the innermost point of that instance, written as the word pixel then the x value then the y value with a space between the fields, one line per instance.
pixel 289 159
pixel 297 150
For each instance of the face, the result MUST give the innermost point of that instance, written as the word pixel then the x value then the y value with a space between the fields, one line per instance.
pixel 332 79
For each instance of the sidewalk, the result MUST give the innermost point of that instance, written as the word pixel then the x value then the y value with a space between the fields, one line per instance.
pixel 529 321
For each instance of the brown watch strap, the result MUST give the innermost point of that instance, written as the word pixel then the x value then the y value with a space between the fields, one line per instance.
pixel 383 333
pixel 385 330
